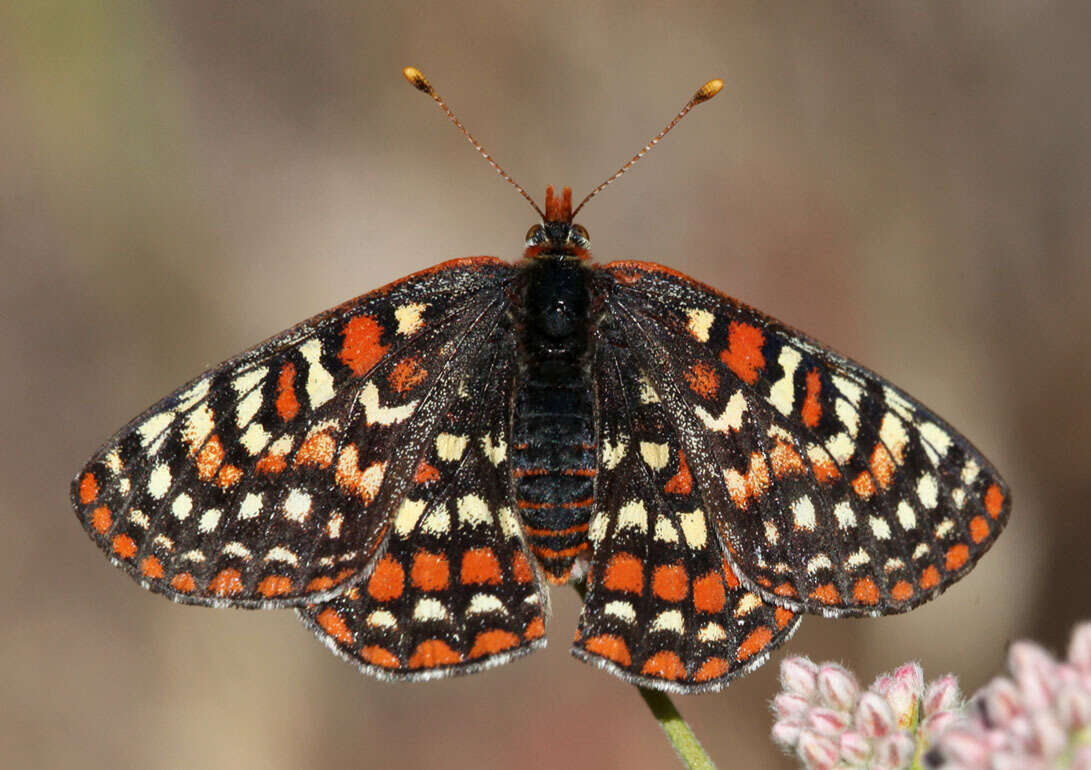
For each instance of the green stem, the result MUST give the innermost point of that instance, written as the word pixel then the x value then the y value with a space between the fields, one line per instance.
pixel 678 731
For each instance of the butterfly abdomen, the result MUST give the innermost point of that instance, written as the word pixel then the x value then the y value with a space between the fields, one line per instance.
pixel 553 422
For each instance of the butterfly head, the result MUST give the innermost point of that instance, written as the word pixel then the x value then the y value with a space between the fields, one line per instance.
pixel 557 235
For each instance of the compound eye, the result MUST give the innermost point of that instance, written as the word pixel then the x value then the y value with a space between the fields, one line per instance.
pixel 581 232
pixel 533 233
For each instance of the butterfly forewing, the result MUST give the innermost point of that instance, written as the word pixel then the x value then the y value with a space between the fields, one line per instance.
pixel 268 480
pixel 833 491
pixel 455 588
pixel 662 608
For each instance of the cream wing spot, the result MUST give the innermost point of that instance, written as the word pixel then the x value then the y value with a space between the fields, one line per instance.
pixel 699 323
pixel 438 521
pixel 879 528
pixel 282 554
pixel 613 453
pixel 782 394
pixel 693 529
pixel 254 438
pixel 483 603
pixel 181 507
pixel 656 456
pixel 711 632
pixel 297 506
pixel 632 515
pixel 803 513
pixel 622 610
pixel 473 511
pixel 449 448
pixel 251 506
pixel 670 620
pixel 730 418
pixel 153 430
pixel 382 619
pixel 159 481
pixel 319 380
pixel 845 516
pixel 409 512
pixel 429 609
pixel 665 531
pixel 409 317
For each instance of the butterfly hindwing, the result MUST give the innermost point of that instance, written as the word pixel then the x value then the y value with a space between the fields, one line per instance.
pixel 834 491
pixel 267 481
pixel 663 608
pixel 455 589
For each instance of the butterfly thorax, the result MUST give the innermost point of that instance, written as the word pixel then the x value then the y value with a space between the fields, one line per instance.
pixel 553 422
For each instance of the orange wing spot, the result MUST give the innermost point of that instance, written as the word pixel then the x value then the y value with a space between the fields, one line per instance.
pixel 317 450
pixel 763 581
pixel 785 589
pixel 535 629
pixel 209 459
pixel 344 574
pixel 864 591
pixel 151 567
pixel 320 584
pixel 929 578
pixel 101 519
pixel 227 582
pixel 387 581
pixel 430 571
pixel 610 647
pixel 228 476
pixel 480 566
pixel 680 483
pixel 979 528
pixel 334 625
pixel 902 590
pixel 270 463
pixel 702 380
pixel 624 572
pixel 729 576
pixel 783 616
pixel 432 653
pixel 994 500
pixel 743 354
pixel 708 593
pixel 957 556
pixel 826 470
pixel 827 594
pixel 743 487
pixel 713 668
pixel 183 583
pixel 425 473
pixel 670 582
pixel 864 485
pixel 664 665
pixel 349 476
pixel 492 642
pixel 379 656
pixel 88 488
pixel 407 375
pixel 882 466
pixel 124 546
pixel 287 403
pixel 786 460
pixel 275 585
pixel 812 407
pixel 520 568
pixel 754 643
pixel 362 348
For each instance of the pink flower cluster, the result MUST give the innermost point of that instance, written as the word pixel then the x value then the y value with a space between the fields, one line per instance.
pixel 823 716
pixel 1038 718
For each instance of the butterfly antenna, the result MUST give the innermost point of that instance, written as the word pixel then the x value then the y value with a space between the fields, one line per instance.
pixel 703 94
pixel 417 79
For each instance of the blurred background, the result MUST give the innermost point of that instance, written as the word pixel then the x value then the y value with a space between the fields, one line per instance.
pixel 909 181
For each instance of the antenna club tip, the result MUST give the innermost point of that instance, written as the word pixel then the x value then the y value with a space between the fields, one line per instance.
pixel 708 90
pixel 417 79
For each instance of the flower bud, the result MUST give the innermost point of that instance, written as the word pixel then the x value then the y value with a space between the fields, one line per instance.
pixel 1033 670
pixel 789 705
pixel 903 703
pixel 965 748
pixel 1074 707
pixel 873 716
pixel 786 732
pixel 837 686
pixel 1079 648
pixel 855 748
pixel 1002 700
pixel 817 751
pixel 895 750
pixel 828 721
pixel 941 695
pixel 935 725
pixel 799 675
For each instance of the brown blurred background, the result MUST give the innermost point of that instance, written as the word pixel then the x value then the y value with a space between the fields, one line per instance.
pixel 909 181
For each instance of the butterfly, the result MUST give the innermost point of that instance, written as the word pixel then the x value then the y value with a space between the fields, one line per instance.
pixel 411 469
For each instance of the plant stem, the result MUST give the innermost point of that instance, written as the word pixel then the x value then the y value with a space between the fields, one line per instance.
pixel 678 731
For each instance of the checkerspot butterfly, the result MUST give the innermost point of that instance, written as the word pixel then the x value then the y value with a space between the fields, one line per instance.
pixel 408 470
